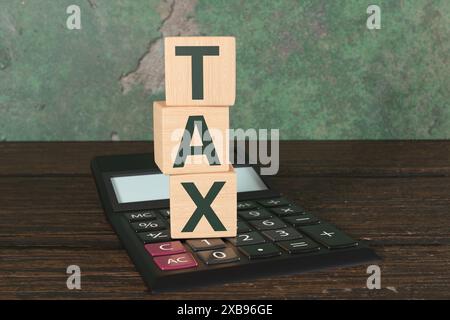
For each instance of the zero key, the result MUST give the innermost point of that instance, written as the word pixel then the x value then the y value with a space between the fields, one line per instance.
pixel 218 256
pixel 329 236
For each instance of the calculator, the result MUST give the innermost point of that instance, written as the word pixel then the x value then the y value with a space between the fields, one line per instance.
pixel 275 236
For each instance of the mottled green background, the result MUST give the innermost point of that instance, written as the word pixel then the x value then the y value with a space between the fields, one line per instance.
pixel 310 68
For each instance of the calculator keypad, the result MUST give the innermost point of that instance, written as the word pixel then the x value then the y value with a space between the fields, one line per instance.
pixel 276 202
pixel 205 244
pixel 287 210
pixel 254 214
pixel 176 262
pixel 266 228
pixel 243 227
pixel 301 220
pixel 243 205
pixel 245 239
pixel 165 248
pixel 329 236
pixel 219 256
pixel 282 234
pixel 138 216
pixel 299 246
pixel 264 250
pixel 150 225
pixel 268 224
pixel 155 236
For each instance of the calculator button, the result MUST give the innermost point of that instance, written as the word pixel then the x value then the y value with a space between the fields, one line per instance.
pixel 282 234
pixel 268 224
pixel 206 244
pixel 137 216
pixel 218 256
pixel 164 248
pixel 175 262
pixel 299 246
pixel 287 210
pixel 276 202
pixel 329 236
pixel 244 239
pixel 265 250
pixel 165 213
pixel 254 214
pixel 242 205
pixel 155 236
pixel 301 220
pixel 243 227
pixel 148 225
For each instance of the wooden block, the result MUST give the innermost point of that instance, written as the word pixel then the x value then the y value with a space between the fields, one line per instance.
pixel 203 205
pixel 173 142
pixel 200 71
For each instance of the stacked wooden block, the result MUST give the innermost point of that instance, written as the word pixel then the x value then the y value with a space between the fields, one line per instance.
pixel 191 139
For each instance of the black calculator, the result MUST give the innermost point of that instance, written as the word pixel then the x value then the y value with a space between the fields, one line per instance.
pixel 275 236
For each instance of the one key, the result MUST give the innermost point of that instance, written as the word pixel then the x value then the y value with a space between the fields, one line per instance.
pixel 218 256
pixel 243 205
pixel 265 250
pixel 268 224
pixel 164 248
pixel 254 214
pixel 287 211
pixel 205 244
pixel 282 234
pixel 243 227
pixel 165 213
pixel 299 246
pixel 138 216
pixel 329 236
pixel 301 220
pixel 148 225
pixel 244 239
pixel 277 202
pixel 155 236
pixel 175 262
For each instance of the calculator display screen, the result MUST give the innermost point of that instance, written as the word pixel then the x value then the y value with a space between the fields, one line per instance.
pixel 151 187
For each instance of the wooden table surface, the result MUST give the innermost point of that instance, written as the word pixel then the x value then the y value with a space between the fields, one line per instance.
pixel 396 195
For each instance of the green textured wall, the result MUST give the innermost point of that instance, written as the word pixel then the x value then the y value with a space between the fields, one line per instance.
pixel 310 68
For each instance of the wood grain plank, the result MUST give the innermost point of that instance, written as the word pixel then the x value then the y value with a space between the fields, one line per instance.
pixel 394 194
pixel 66 212
pixel 298 158
pixel 414 272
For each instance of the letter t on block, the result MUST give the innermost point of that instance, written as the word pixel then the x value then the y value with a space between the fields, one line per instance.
pixel 200 71
pixel 203 205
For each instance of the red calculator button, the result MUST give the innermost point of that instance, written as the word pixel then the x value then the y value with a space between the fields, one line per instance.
pixel 176 262
pixel 164 248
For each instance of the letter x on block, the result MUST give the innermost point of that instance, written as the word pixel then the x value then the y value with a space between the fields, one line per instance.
pixel 203 205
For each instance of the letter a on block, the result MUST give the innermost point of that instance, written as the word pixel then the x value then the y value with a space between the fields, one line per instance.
pixel 207 148
pixel 203 205
pixel 200 71
pixel 190 139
